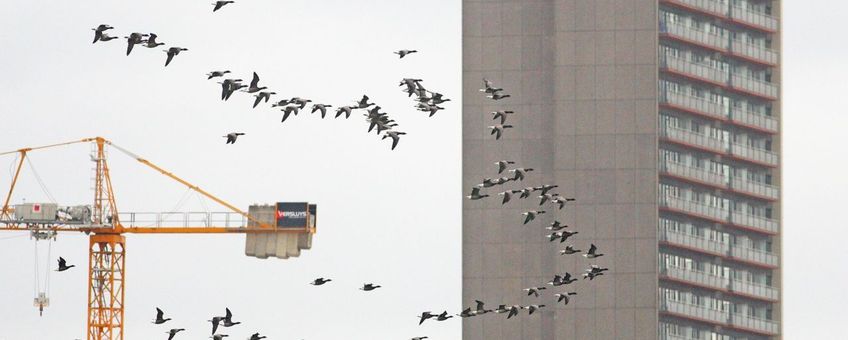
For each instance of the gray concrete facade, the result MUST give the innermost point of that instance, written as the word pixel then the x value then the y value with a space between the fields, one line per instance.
pixel 591 118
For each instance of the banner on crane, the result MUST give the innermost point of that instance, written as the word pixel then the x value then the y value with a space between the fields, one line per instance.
pixel 292 215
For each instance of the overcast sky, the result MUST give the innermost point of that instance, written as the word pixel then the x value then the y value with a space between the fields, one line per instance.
pixel 388 217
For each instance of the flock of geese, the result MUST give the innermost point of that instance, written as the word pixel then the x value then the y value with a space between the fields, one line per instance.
pixel 216 321
pixel 377 120
pixel 558 231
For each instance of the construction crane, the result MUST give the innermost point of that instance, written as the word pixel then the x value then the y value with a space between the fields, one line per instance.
pixel 279 230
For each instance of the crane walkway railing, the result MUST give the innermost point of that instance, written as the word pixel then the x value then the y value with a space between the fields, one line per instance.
pixel 183 219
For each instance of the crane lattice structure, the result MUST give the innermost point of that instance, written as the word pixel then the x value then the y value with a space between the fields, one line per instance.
pixel 106 229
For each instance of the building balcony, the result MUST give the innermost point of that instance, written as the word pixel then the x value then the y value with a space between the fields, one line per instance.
pixel 692 104
pixel 754 120
pixel 753 53
pixel 753 188
pixel 728 251
pixel 753 154
pixel 716 76
pixel 693 174
pixel 706 143
pixel 752 19
pixel 709 7
pixel 753 86
pixel 687 34
pixel 718 317
pixel 718 214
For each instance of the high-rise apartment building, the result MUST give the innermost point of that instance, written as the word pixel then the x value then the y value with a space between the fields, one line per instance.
pixel 662 117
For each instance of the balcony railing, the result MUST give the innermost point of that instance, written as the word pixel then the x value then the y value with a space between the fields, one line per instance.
pixel 710 6
pixel 697 70
pixel 753 18
pixel 755 188
pixel 752 85
pixel 752 51
pixel 753 289
pixel 704 279
pixel 694 139
pixel 754 119
pixel 715 247
pixel 698 174
pixel 720 214
pixel 718 316
pixel 687 33
pixel 693 103
pixel 754 154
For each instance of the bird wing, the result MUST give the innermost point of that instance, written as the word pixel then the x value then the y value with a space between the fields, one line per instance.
pixel 62 262
pixel 218 5
pixel 395 140
pixel 229 314
pixel 256 102
pixel 255 81
pixel 170 57
pixel 159 313
pixel 592 249
pixel 129 45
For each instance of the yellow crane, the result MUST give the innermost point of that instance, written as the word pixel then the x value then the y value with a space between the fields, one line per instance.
pixel 286 225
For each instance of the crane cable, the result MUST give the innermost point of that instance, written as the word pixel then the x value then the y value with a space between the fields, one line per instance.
pixel 40 182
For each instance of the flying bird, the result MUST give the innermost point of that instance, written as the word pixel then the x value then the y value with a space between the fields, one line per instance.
pixel 520 173
pixel 256 336
pixel 545 188
pixel 480 310
pixel 174 332
pixel 556 226
pixel 475 194
pixel 160 317
pixel 501 115
pixel 262 95
pixel 172 52
pixel 534 291
pixel 100 33
pixel 534 308
pixel 215 321
pixel 592 253
pixel 214 74
pixel 228 86
pixel 232 137
pixel 320 281
pixel 507 195
pixel 525 192
pixel 254 85
pixel 502 165
pixel 346 110
pixel 363 103
pixel 498 130
pixel 134 39
pixel 545 197
pixel 424 316
pixel 322 108
pixel 488 87
pixel 369 287
pixel 513 311
pixel 218 336
pixel 531 215
pixel 569 250
pixel 228 319
pixel 564 297
pixel 63 265
pixel 403 53
pixel 444 316
pixel 151 41
pixel 289 109
pixel 219 4
pixel 560 201
pixel 420 338
pixel 395 135
pixel 498 96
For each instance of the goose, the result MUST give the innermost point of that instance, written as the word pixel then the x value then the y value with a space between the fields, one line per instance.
pixel 173 51
pixel 134 39
pixel 554 236
pixel 346 110
pixel 545 197
pixel 160 317
pixel 256 336
pixel 545 188
pixel 533 308
pixel 438 98
pixel 501 115
pixel 254 85
pixel 228 319
pixel 556 226
pixel 534 291
pixel 480 310
pixel 592 253
pixel 520 173
pixel 282 102
pixel 395 135
pixel 502 180
pixel 596 269
pixel 424 316
pixel 513 311
pixel 501 309
pixel 531 215
pixel 300 102
pixel 403 53
pixel 289 109
pixel 320 281
pixel 420 338
pixel 567 279
pixel 174 332
pixel 488 88
pixel 233 88
pixel 219 4
pixel 475 194
pixel 410 85
pixel 564 297
pixel 444 316
pixel 502 165
pixel 63 265
pixel 262 95
pixel 363 103
pixel 215 321
pixel 556 281
pixel 322 108
pixel 214 74
pixel 465 313
pixel 227 87
pixel 369 287
pixel 498 96
pixel 507 195
pixel 488 182
pixel 525 193
pixel 560 201
pixel 591 275
pixel 566 234
pixel 218 336
pixel 232 137
pixel 385 126
pixel 498 130
pixel 432 108
pixel 99 32
pixel 151 41
pixel 569 250
pixel 106 37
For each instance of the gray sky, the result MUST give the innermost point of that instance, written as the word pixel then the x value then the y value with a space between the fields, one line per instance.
pixel 382 213
pixel 388 217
